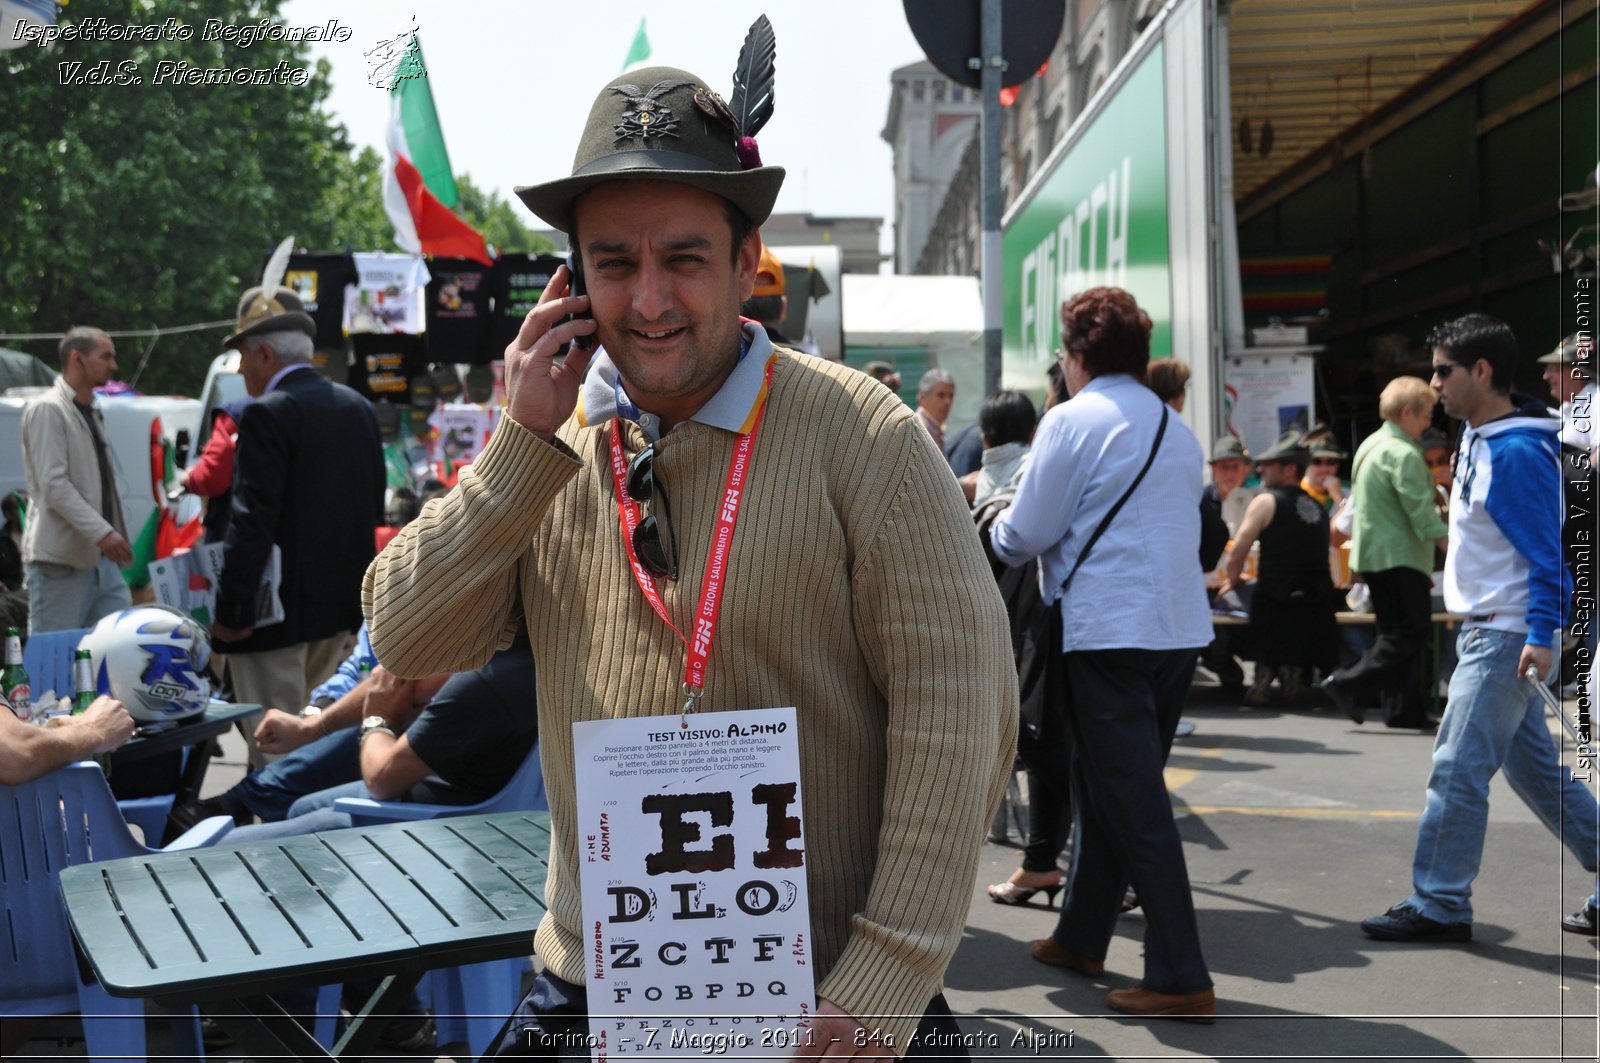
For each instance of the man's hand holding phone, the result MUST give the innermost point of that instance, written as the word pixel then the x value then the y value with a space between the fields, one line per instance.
pixel 576 289
pixel 541 387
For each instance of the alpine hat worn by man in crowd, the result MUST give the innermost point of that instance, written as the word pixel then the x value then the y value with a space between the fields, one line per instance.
pixel 1503 570
pixel 903 685
pixel 75 537
pixel 1569 374
pixel 309 479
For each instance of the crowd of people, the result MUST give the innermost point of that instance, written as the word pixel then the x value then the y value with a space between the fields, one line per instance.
pixel 1066 621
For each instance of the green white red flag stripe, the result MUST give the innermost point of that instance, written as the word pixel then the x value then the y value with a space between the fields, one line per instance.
pixel 418 186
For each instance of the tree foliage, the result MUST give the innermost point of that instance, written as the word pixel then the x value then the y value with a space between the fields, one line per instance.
pixel 499 221
pixel 141 205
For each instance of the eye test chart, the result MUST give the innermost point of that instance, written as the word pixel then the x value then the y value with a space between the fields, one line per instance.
pixel 692 864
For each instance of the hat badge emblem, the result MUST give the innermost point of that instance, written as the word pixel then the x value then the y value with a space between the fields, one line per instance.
pixel 645 115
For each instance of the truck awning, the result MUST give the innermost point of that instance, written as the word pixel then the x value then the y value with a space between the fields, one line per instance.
pixel 1302 72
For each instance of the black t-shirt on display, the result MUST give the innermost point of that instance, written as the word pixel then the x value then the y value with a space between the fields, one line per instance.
pixel 477 730
pixel 458 312
pixel 319 281
pixel 384 364
pixel 519 280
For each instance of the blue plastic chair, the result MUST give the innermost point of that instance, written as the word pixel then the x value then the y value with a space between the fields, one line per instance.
pixel 67 818
pixel 48 658
pixel 470 1003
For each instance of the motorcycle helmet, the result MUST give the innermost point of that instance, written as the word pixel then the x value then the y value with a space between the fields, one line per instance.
pixel 152 659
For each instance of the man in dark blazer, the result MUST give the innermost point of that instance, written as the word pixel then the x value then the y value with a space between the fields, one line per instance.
pixel 309 479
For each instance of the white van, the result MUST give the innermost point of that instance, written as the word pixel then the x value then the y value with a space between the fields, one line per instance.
pixel 223 385
pixel 135 426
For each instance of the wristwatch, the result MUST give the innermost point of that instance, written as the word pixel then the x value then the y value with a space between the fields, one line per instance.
pixel 311 711
pixel 374 723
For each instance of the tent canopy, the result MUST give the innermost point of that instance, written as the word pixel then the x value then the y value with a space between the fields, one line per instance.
pixel 19 369
pixel 918 323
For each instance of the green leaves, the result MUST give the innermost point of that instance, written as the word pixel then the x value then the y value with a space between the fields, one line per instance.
pixel 499 222
pixel 138 205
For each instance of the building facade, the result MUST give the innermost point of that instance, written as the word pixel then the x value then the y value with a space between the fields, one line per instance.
pixel 931 122
pixel 1095 35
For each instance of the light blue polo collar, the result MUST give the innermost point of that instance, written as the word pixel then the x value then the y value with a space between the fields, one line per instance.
pixel 603 397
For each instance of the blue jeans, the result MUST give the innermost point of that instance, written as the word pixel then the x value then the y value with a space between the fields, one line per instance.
pixel 329 761
pixel 308 815
pixel 62 597
pixel 1492 722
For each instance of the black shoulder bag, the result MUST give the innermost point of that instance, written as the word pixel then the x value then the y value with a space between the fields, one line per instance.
pixel 1057 692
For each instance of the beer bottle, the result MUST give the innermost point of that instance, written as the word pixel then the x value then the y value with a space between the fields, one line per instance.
pixel 82 682
pixel 14 680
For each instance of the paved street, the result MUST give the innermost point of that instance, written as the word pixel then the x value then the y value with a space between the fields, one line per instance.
pixel 1298 825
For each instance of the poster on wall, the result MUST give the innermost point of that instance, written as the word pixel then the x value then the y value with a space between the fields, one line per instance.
pixel 1266 393
pixel 692 867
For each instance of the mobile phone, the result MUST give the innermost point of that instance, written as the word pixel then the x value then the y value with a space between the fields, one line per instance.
pixel 575 286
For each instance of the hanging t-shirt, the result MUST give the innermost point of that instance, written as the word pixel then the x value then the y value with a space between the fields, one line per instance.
pixel 320 281
pixel 519 281
pixel 387 295
pixel 384 364
pixel 458 310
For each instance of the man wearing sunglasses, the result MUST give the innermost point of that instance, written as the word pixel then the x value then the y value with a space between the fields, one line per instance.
pixel 1503 569
pixel 853 590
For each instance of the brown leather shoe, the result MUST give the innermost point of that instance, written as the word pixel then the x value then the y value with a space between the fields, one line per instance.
pixel 1190 1007
pixel 1045 950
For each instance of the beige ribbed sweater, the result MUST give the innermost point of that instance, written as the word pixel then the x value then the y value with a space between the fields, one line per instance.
pixel 856 592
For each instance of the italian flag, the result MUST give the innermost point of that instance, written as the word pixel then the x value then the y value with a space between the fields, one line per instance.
pixel 418 188
pixel 638 51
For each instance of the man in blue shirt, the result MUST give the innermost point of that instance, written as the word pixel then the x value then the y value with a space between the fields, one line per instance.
pixel 317 746
pixel 1504 571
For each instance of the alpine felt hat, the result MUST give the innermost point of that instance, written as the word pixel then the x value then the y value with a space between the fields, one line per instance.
pixel 1229 447
pixel 1576 352
pixel 658 124
pixel 1287 447
pixel 260 311
pixel 1327 448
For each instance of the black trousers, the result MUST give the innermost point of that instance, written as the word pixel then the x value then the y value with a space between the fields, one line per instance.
pixel 1395 661
pixel 552 1023
pixel 1125 708
pixel 1046 752
pixel 1049 819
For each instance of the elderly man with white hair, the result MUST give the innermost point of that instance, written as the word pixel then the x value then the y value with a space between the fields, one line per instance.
pixel 308 479
pixel 936 393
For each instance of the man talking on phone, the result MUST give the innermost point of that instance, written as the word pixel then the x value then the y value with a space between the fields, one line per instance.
pixel 853 588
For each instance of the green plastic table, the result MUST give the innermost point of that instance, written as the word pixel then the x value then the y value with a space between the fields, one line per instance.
pixel 229 925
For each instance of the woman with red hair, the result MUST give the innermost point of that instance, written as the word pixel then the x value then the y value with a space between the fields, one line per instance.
pixel 1111 507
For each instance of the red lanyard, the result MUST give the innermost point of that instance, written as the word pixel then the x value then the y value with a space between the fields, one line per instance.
pixel 705 620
